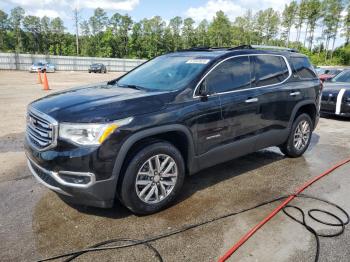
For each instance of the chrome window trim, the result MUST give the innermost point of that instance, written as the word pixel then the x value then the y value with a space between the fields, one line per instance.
pixel 245 89
pixel 54 126
pixel 55 176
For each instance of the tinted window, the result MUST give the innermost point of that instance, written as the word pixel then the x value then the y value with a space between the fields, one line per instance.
pixel 230 75
pixel 302 67
pixel 342 77
pixel 270 70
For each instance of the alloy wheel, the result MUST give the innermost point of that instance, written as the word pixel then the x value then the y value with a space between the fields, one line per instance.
pixel 302 135
pixel 156 178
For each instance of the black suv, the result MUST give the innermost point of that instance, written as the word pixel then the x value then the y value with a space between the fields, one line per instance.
pixel 138 136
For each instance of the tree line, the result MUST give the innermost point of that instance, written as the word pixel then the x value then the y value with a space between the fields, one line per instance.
pixel 120 36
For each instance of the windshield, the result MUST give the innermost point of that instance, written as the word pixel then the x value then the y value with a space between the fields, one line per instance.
pixel 165 73
pixel 333 72
pixel 342 77
pixel 320 71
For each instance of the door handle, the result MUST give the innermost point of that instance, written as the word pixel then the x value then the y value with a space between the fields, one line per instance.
pixel 295 93
pixel 252 100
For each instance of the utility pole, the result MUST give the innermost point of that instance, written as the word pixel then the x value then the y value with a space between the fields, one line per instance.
pixel 76 22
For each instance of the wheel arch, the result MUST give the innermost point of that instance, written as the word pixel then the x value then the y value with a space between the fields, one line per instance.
pixel 308 107
pixel 170 133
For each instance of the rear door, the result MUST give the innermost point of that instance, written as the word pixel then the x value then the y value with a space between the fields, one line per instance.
pixel 277 97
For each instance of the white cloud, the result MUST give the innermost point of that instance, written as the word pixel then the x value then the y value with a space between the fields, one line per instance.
pixel 66 5
pixel 125 5
pixel 232 8
pixel 208 11
pixel 46 12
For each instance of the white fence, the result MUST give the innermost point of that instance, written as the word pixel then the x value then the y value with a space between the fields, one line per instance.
pixel 14 61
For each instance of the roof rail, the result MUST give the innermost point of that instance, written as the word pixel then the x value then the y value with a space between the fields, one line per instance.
pixel 196 48
pixel 270 47
pixel 203 48
pixel 241 47
pixel 275 48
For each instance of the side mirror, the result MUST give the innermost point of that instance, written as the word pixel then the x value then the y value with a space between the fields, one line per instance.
pixel 203 89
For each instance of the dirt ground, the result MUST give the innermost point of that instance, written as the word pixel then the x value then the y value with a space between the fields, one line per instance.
pixel 35 223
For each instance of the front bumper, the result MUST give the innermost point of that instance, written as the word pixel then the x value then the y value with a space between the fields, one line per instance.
pixel 95 70
pixel 97 193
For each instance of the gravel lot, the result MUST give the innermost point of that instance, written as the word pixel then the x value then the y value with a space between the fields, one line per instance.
pixel 35 223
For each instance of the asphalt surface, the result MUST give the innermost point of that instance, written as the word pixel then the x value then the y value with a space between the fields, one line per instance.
pixel 35 223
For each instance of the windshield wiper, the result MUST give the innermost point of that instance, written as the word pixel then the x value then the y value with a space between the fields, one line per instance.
pixel 131 86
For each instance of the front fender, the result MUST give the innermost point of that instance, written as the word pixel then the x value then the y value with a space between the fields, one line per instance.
pixel 148 133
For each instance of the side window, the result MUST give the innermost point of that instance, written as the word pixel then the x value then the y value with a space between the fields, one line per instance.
pixel 302 67
pixel 230 75
pixel 270 70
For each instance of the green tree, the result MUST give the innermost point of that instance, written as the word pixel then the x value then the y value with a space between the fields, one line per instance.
pixel 45 33
pixel 288 19
pixel 175 26
pixel 346 28
pixel 300 17
pixel 32 25
pixel 3 28
pixel 243 29
pixel 313 15
pixel 332 19
pixel 136 40
pixel 220 30
pixel 188 33
pixel 98 21
pixel 125 27
pixel 202 33
pixel 16 18
pixel 57 32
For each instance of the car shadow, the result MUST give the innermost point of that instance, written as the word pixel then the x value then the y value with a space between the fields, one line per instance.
pixel 335 117
pixel 233 168
pixel 314 141
pixel 201 180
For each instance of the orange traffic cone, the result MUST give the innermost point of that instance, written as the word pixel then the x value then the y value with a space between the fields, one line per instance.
pixel 39 77
pixel 46 83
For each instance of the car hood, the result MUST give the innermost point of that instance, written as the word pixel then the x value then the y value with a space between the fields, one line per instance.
pixel 100 103
pixel 335 87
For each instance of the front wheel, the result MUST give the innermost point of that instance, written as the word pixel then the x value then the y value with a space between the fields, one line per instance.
pixel 153 178
pixel 299 137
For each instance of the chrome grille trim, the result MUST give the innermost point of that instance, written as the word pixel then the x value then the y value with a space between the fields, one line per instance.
pixel 42 130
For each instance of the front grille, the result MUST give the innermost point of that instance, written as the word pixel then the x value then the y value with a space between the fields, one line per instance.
pixel 41 130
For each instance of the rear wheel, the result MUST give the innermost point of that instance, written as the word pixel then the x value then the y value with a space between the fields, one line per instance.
pixel 153 178
pixel 299 137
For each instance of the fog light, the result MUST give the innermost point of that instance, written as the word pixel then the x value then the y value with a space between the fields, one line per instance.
pixel 75 179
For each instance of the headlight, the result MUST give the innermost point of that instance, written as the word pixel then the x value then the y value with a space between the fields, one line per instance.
pixel 90 134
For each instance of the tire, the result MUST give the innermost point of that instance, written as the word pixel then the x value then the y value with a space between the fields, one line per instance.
pixel 138 197
pixel 298 140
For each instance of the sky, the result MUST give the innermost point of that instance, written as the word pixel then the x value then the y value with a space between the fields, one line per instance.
pixel 139 9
